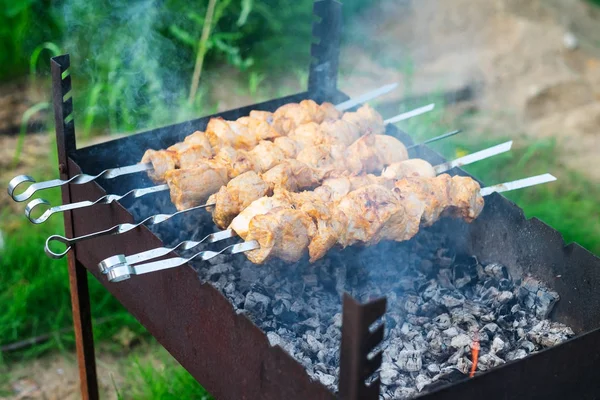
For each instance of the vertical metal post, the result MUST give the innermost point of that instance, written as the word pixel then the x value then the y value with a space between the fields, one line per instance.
pixel 325 50
pixel 80 299
pixel 357 343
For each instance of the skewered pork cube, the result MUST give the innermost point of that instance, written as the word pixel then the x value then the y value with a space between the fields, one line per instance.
pixel 266 155
pixel 367 119
pixel 292 175
pixel 323 156
pixel 236 162
pixel 465 199
pixel 363 212
pixel 196 147
pixel 282 233
pixel 408 168
pixel 261 129
pixel 223 133
pixel 191 187
pixel 241 223
pixel 340 131
pixel 162 161
pixel 288 146
pixel 371 153
pixel 266 116
pixel 230 200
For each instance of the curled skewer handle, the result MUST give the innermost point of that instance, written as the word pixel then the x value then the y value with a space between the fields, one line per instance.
pixel 115 230
pixel 120 259
pixel 70 242
pixel 77 179
pixel 109 198
pixel 123 272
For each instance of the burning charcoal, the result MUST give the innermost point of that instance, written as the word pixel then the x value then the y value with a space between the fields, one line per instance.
pixel 257 304
pixel 337 320
pixel 445 279
pixel 430 290
pixel 462 317
pixel 535 296
pixel 281 306
pixel 464 365
pixel 452 300
pixel 504 297
pixel 411 304
pixel 464 272
pixel 516 355
pixel 489 360
pixel 455 357
pixel 312 322
pixel 505 284
pixel 443 321
pixel 489 317
pixel 460 341
pixel 222 268
pixel 451 332
pixel 404 393
pixel 326 379
pixel 410 361
pixel 490 327
pixel 229 288
pixel 421 381
pixel 433 369
pixel 497 345
pixel 528 346
pixel 548 334
pixel 389 374
pixel 274 339
pixel 249 274
pixel 418 321
pixel 239 300
pixel 497 271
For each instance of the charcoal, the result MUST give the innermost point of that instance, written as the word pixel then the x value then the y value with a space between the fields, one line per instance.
pixel 438 303
pixel 497 271
pixel 497 345
pixel 410 361
pixel 489 360
pixel 443 321
pixel 257 304
pixel 548 334
pixel 389 373
pixel 460 341
pixel 433 369
pixel 516 355
pixel 421 381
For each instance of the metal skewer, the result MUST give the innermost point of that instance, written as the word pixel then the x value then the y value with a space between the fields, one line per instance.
pixel 135 193
pixel 145 256
pixel 115 230
pixel 124 271
pixel 115 172
pixel 120 272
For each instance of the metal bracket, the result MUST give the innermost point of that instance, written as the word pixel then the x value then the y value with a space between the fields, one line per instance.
pixel 358 341
pixel 325 50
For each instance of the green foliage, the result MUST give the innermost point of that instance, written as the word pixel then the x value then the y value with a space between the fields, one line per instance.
pixel 166 381
pixel 25 24
pixel 133 61
pixel 34 290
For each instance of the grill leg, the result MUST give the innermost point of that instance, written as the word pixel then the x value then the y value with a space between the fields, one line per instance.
pixel 82 323
pixel 80 296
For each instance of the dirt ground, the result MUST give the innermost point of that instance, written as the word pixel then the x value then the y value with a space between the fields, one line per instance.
pixel 535 65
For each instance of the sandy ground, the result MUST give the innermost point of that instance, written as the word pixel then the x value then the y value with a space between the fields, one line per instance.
pixel 535 64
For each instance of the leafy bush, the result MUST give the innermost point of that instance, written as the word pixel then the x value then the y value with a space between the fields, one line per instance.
pixel 133 61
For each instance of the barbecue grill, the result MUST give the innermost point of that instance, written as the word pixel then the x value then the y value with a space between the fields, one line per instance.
pixel 231 356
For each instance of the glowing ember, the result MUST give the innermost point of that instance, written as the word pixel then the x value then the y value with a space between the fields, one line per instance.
pixel 475 355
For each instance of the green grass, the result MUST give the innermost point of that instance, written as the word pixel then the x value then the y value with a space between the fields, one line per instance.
pixel 160 378
pixel 34 290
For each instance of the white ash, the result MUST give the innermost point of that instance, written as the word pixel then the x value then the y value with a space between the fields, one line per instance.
pixel 438 304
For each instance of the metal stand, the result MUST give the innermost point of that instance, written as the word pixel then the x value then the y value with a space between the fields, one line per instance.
pixel 357 343
pixel 80 298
